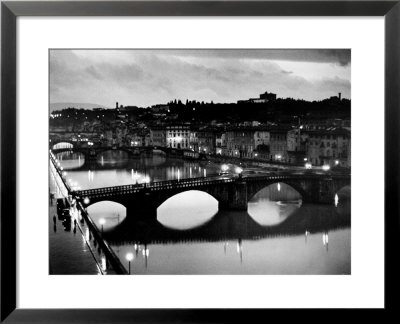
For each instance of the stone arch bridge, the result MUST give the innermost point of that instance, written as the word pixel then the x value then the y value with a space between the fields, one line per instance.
pixel 91 153
pixel 232 193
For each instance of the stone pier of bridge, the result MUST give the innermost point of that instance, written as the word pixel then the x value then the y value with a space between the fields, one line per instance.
pixel 143 206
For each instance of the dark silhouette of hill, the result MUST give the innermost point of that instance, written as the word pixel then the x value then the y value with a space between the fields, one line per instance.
pixel 278 110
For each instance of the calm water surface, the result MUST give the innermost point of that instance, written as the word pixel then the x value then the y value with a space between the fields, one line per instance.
pixel 277 235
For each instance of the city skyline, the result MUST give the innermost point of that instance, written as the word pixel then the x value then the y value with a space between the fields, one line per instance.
pixel 147 77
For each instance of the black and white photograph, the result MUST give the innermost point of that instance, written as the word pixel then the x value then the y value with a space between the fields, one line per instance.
pixel 199 161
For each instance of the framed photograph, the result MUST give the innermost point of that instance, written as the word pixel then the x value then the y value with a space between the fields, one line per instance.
pixel 180 160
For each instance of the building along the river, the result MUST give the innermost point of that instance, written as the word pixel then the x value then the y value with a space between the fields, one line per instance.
pixel 278 144
pixel 178 136
pixel 297 146
pixel 331 146
pixel 240 142
pixel 158 136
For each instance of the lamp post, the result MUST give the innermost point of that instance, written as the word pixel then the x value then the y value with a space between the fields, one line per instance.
pixel 129 257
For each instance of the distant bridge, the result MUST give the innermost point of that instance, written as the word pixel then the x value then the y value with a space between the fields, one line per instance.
pixel 91 153
pixel 232 193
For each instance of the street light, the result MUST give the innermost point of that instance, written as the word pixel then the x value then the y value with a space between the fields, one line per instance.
pixel 238 170
pixel 145 252
pixel 86 200
pixel 129 257
pixel 224 167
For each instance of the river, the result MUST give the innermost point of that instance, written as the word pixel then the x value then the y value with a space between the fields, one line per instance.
pixel 277 235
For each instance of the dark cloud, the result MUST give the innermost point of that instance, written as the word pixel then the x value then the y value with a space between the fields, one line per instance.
pixel 337 56
pixel 146 77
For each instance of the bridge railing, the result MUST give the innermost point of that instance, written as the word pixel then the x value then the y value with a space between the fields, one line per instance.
pixel 159 185
pixel 286 176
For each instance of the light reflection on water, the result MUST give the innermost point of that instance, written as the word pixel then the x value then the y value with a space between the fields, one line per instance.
pixel 70 160
pixel 112 158
pixel 232 243
pixel 275 255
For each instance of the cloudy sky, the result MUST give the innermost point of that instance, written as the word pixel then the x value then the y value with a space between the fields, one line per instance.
pixel 147 77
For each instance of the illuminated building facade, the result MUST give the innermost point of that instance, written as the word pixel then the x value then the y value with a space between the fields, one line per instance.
pixel 178 136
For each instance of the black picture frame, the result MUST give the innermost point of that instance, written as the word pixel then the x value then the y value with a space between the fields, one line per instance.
pixel 10 10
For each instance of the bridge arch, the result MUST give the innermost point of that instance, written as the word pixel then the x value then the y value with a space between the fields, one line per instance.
pixel 187 192
pixel 110 149
pixel 254 189
pixel 191 209
pixel 90 202
pixel 343 193
pixel 345 187
pixel 159 151
pixel 99 152
pixel 62 145
pixel 107 213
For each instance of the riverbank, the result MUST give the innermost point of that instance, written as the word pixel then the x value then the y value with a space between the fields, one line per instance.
pixel 72 248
